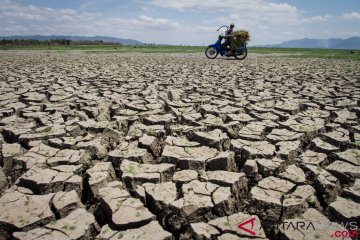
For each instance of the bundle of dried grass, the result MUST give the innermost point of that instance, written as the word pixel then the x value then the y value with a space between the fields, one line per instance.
pixel 239 38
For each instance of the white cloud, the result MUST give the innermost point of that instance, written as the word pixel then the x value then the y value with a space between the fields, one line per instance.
pixel 16 19
pixel 21 15
pixel 224 5
pixel 351 16
pixel 68 11
pixel 259 10
pixel 157 22
pixel 13 11
pixel 268 22
pixel 263 28
pixel 316 19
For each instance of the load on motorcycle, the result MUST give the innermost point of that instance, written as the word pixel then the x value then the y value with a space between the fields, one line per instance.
pixel 234 44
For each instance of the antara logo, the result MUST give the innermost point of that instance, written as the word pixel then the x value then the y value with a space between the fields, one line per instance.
pixel 350 229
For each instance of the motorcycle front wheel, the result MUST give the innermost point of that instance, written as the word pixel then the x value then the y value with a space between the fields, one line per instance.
pixel 211 52
pixel 242 55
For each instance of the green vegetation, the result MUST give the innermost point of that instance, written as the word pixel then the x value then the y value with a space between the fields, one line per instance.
pixel 68 227
pixel 52 222
pixel 110 48
pixel 280 52
pixel 130 169
pixel 23 221
pixel 356 154
pixel 65 227
pixel 199 195
pixel 33 42
pixel 217 121
pixel 309 53
pixel 105 231
pixel 202 173
pixel 72 227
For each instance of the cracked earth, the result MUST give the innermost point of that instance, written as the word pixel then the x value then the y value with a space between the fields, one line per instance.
pixel 175 146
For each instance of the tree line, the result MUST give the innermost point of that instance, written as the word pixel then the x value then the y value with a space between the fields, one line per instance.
pixel 52 42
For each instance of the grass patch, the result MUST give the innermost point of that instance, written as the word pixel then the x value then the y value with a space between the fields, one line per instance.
pixel 68 227
pixel 112 48
pixel 202 173
pixel 105 231
pixel 187 150
pixel 309 53
pixel 52 222
pixel 130 169
pixel 281 52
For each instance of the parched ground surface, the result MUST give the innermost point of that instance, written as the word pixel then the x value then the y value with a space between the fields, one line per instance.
pixel 176 146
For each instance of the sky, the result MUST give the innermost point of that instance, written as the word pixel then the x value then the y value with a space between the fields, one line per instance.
pixel 185 22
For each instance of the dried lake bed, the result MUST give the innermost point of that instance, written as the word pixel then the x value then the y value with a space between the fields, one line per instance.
pixel 176 146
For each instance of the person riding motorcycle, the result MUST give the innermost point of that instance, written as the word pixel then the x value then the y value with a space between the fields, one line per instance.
pixel 233 46
pixel 228 35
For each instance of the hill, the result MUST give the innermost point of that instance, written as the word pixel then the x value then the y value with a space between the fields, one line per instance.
pixel 331 43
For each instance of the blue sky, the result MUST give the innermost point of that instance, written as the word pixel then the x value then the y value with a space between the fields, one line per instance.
pixel 182 22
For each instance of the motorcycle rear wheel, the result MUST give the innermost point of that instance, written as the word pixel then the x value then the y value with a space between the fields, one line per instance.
pixel 241 56
pixel 211 52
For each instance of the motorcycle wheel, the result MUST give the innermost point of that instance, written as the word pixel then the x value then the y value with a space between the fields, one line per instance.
pixel 211 52
pixel 241 56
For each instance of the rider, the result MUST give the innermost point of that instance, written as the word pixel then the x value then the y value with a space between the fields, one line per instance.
pixel 228 35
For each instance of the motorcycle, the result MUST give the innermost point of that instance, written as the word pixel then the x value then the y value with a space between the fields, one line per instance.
pixel 213 50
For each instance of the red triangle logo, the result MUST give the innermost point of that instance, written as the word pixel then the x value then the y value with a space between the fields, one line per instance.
pixel 250 221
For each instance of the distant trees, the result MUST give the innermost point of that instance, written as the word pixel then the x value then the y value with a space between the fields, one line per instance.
pixel 28 42
pixel 53 42
pixel 20 42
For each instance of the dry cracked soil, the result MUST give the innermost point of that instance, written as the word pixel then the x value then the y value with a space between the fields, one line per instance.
pixel 175 146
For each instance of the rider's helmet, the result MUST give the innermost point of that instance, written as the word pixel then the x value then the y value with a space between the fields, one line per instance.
pixel 232 25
